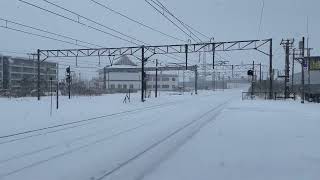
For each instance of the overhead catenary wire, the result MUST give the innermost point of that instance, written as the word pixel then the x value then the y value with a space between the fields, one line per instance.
pixel 93 21
pixel 89 26
pixel 48 32
pixel 176 18
pixel 76 21
pixel 197 31
pixel 136 21
pixel 186 33
pixel 187 27
pixel 42 36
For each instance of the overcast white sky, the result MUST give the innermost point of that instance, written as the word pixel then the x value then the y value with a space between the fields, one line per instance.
pixel 223 19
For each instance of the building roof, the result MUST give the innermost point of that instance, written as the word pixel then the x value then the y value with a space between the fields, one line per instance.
pixel 124 60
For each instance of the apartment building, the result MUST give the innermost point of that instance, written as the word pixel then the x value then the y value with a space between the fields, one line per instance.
pixel 166 82
pixel 17 72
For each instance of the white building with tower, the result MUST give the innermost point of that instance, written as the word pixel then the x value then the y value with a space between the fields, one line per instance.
pixel 125 74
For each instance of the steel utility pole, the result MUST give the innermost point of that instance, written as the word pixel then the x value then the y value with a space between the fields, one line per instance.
pixel 270 71
pixel 252 80
pixel 213 54
pixel 104 78
pixel 69 88
pixel 156 87
pixel 57 94
pixel 308 61
pixel 214 80
pixel 51 95
pixel 260 77
pixel 183 81
pixel 186 52
pixel 38 69
pixel 287 44
pixel 145 85
pixel 286 79
pixel 292 75
pixel 232 68
pixel 223 82
pixel 142 74
pixel 219 79
pixel 196 81
pixel 309 73
pixel 302 72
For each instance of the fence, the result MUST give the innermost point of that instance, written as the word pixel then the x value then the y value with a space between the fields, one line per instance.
pixel 264 95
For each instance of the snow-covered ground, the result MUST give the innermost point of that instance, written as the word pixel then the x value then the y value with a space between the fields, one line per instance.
pixel 251 140
pixel 213 135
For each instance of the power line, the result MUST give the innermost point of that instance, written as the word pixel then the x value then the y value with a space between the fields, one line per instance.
pixel 48 32
pixel 93 21
pixel 78 22
pixel 198 31
pixel 85 25
pixel 42 36
pixel 135 21
pixel 175 17
pixel 170 20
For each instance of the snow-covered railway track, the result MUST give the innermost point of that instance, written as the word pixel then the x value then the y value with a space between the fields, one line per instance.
pixel 74 124
pixel 195 125
pixel 76 140
pixel 113 145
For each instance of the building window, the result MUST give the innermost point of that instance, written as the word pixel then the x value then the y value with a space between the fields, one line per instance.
pixel 124 86
pixel 28 76
pixel 149 86
pixel 119 86
pixel 28 70
pixel 155 79
pixel 16 69
pixel 131 86
pixel 173 86
pixel 173 79
pixel 112 86
pixel 165 86
pixel 165 79
pixel 15 76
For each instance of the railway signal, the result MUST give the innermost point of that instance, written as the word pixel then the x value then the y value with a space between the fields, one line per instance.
pixel 68 80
